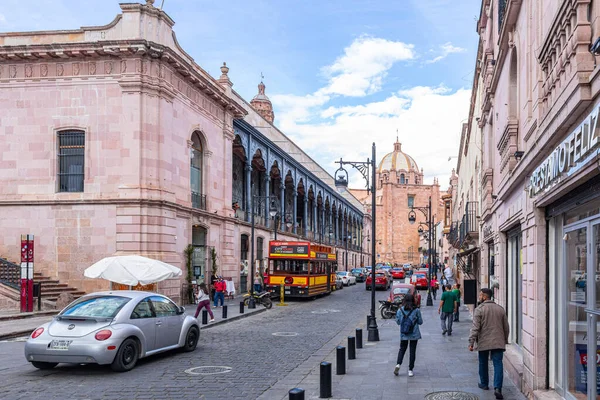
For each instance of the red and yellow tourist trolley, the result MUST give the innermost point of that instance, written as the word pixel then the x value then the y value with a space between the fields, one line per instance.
pixel 306 269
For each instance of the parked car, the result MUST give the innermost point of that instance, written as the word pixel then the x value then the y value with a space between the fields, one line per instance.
pixel 397 273
pixel 347 278
pixel 399 290
pixel 359 273
pixel 117 328
pixel 339 284
pixel 419 279
pixel 382 280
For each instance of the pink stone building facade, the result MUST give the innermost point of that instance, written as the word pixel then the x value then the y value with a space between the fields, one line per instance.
pixel 114 141
pixel 534 109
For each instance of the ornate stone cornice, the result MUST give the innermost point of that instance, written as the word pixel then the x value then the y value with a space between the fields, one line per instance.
pixel 19 56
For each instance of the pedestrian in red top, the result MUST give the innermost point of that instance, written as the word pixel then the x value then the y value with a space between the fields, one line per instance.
pixel 220 289
pixel 434 286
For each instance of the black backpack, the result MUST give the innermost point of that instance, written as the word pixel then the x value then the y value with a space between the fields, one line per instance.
pixel 407 326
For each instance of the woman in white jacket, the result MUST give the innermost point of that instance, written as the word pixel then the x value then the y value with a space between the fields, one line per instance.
pixel 204 301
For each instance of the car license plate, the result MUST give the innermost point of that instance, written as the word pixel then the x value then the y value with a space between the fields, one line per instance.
pixel 60 344
pixel 287 292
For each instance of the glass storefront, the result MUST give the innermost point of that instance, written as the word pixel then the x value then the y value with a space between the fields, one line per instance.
pixel 581 285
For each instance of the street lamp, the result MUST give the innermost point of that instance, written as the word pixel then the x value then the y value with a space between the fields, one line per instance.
pixel 273 209
pixel 341 180
pixel 412 217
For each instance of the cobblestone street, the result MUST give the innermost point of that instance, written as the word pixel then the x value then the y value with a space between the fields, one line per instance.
pixel 257 357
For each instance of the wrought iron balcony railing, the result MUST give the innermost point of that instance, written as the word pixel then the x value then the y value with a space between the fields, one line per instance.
pixel 199 201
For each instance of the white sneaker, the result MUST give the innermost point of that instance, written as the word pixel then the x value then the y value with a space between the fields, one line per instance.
pixel 212 320
pixel 396 369
pixel 410 373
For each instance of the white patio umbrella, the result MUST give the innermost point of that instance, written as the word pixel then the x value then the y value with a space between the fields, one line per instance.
pixel 132 270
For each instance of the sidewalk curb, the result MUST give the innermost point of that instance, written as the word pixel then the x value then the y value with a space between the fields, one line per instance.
pixel 35 314
pixel 16 334
pixel 224 321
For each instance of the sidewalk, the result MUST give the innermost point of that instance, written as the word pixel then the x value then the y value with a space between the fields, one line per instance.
pixel 13 325
pixel 443 364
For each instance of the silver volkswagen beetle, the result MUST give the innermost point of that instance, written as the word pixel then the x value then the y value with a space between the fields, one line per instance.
pixel 117 328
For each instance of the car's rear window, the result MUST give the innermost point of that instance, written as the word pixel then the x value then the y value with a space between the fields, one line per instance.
pixel 400 290
pixel 96 307
pixel 341 273
pixel 357 270
pixel 397 269
pixel 380 274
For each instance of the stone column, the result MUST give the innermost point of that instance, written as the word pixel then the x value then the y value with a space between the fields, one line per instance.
pixel 282 206
pixel 248 169
pixel 295 208
pixel 305 219
pixel 314 220
pixel 266 199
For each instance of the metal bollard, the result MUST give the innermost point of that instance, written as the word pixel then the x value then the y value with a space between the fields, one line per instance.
pixel 340 360
pixel 241 307
pixel 351 348
pixel 296 394
pixel 224 311
pixel 204 316
pixel 325 380
pixel 359 338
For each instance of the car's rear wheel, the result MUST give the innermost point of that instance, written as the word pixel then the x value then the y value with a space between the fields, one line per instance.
pixel 127 356
pixel 191 339
pixel 43 365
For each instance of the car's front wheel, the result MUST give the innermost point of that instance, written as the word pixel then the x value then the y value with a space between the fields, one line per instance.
pixel 191 339
pixel 43 365
pixel 127 356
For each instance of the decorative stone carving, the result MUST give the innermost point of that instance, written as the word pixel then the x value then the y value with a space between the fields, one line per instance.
pixel 108 67
pixel 123 66
pixel 144 67
pixel 28 71
pixel 44 70
pixel 13 71
pixel 138 66
pixel 76 69
pixel 161 71
pixel 92 68
pixel 60 70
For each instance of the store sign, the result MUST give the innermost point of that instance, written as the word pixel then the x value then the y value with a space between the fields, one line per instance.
pixel 289 249
pixel 573 150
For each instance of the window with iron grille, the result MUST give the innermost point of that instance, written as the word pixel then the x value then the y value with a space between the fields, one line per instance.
pixel 71 156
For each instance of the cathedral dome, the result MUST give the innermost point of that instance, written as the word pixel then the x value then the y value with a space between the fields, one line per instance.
pixel 397 160
pixel 262 104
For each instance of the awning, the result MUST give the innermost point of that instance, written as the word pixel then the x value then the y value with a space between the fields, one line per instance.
pixel 465 253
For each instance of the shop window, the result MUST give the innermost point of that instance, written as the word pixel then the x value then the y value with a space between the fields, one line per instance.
pixel 71 156
pixel 515 285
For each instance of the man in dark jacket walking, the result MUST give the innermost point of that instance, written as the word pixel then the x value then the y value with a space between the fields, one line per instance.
pixel 490 332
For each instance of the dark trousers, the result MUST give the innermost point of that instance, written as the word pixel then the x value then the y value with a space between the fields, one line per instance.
pixel 496 356
pixel 413 353
pixel 434 293
pixel 457 313
pixel 447 316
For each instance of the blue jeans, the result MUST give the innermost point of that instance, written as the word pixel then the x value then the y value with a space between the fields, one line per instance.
pixel 498 371
pixel 447 316
pixel 257 287
pixel 219 296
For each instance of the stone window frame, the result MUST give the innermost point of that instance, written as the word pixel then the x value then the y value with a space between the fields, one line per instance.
pixel 57 145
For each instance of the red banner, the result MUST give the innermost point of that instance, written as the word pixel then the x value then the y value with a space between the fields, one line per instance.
pixel 27 273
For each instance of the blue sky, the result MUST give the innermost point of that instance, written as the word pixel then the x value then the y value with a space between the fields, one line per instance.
pixel 340 73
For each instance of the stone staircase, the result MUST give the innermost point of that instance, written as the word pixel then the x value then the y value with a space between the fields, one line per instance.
pixel 51 288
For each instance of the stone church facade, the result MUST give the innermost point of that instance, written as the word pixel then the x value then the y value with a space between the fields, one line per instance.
pixel 399 188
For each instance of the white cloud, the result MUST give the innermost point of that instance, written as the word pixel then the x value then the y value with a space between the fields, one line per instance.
pixel 364 65
pixel 445 50
pixel 428 120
